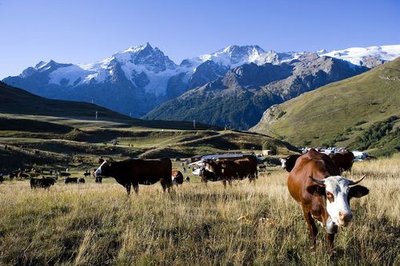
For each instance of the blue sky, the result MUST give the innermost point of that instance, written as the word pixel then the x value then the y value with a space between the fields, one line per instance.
pixel 85 31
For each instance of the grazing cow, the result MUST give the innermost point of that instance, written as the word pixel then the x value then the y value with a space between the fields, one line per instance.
pixel 13 174
pixel 228 169
pixel 138 171
pixel 45 182
pixel 207 175
pixel 177 177
pixel 81 180
pixel 289 162
pixel 64 174
pixel 212 171
pixel 87 173
pixel 323 194
pixel 343 160
pixel 70 180
pixel 23 175
pixel 247 167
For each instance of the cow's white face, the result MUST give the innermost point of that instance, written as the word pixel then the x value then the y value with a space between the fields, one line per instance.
pixel 283 163
pixel 98 170
pixel 208 167
pixel 337 190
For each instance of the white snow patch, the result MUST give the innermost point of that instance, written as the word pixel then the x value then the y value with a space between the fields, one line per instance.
pixel 355 55
pixel 69 73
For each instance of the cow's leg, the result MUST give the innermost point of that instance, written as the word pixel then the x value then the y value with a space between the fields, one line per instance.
pixel 312 228
pixel 136 187
pixel 252 178
pixel 128 188
pixel 224 182
pixel 164 187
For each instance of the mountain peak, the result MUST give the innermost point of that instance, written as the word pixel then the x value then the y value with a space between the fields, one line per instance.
pixel 153 59
pixel 138 48
pixel 243 49
pixel 235 55
pixel 40 64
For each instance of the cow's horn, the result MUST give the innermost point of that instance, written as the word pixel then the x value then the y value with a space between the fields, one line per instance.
pixel 318 181
pixel 357 181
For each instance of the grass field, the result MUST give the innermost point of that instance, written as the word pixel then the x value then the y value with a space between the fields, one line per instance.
pixel 46 140
pixel 259 224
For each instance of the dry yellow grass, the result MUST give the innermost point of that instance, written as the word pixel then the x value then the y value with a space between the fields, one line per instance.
pixel 257 224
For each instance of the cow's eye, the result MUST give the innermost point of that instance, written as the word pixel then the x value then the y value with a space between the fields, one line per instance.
pixel 329 196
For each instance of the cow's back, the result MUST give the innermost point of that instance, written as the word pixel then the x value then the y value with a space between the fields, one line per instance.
pixel 152 170
pixel 343 160
pixel 314 164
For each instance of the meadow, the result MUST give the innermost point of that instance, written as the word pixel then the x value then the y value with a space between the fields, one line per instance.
pixel 246 224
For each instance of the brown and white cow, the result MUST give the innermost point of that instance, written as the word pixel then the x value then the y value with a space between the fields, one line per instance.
pixel 132 172
pixel 177 177
pixel 324 195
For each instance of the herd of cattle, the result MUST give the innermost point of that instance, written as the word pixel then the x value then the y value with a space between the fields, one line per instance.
pixel 49 177
pixel 314 181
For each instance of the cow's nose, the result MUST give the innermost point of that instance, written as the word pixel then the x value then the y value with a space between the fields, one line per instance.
pixel 345 217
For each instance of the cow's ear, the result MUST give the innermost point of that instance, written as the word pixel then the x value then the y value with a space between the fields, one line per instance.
pixel 316 190
pixel 358 192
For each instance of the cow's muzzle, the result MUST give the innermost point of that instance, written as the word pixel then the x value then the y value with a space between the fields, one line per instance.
pixel 331 227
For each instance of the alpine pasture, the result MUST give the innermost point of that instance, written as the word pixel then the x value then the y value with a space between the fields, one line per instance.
pixel 92 224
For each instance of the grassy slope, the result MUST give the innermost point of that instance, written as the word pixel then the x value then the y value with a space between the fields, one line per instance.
pixel 17 101
pixel 342 110
pixel 60 142
pixel 257 224
pixel 35 130
pixel 88 142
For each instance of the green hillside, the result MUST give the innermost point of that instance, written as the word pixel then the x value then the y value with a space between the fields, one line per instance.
pixel 35 130
pixel 18 101
pixel 362 112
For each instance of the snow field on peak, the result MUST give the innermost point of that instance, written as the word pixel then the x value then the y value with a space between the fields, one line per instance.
pixel 355 55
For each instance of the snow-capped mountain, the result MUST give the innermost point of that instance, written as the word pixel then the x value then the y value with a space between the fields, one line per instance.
pixel 144 66
pixel 239 98
pixel 234 56
pixel 140 78
pixel 366 56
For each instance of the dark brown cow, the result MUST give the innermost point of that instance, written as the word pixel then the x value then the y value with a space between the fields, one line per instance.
pixel 45 182
pixel 211 172
pixel 70 180
pixel 247 167
pixel 343 160
pixel 228 169
pixel 133 172
pixel 314 182
pixel 289 162
pixel 177 177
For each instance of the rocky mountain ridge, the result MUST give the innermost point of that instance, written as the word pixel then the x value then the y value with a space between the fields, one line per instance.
pixel 140 78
